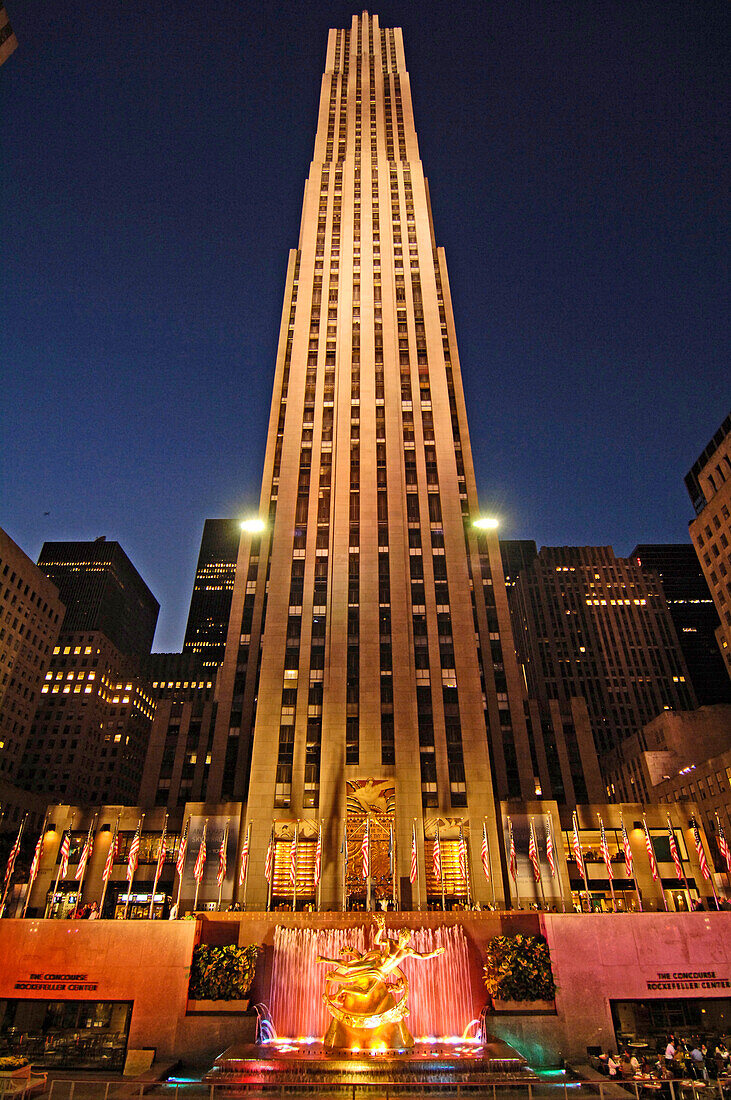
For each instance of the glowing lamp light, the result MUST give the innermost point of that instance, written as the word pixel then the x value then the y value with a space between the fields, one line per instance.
pixel 486 523
pixel 253 526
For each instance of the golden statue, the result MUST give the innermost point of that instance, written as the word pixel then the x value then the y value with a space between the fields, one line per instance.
pixel 368 1011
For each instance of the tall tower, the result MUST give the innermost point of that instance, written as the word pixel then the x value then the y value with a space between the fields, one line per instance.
pixel 354 679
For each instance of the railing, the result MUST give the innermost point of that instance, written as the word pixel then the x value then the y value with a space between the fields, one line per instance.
pixel 460 1084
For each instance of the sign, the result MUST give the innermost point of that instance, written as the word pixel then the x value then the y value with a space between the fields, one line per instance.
pixel 688 979
pixel 76 983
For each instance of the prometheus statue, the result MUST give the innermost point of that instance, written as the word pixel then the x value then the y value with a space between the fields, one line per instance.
pixel 366 994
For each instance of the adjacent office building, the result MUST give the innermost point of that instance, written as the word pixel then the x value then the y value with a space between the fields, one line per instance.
pixel 31 613
pixel 709 486
pixel 89 738
pixel 210 604
pixel 592 625
pixel 693 613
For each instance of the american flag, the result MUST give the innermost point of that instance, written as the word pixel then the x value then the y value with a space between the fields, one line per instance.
pixel 550 856
pixel 436 857
pixel 318 856
pixel 533 854
pixel 628 862
pixel 513 859
pixel 576 846
pixel 485 854
pixel 293 859
pixel 414 869
pixel 36 860
pixel 269 861
pixel 651 854
pixel 723 845
pixel 365 851
pixel 109 865
pixel 244 858
pixel 134 854
pixel 201 858
pixel 13 854
pixel 182 851
pixel 674 851
pixel 162 852
pixel 702 861
pixel 462 854
pixel 604 848
pixel 220 877
pixel 83 858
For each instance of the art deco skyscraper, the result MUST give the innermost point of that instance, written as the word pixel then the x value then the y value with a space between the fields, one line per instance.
pixel 369 660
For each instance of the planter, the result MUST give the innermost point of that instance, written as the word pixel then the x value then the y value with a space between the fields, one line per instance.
pixel 216 1008
pixel 22 1073
pixel 524 1008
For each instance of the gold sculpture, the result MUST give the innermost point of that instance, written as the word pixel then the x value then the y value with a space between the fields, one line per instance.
pixel 368 1011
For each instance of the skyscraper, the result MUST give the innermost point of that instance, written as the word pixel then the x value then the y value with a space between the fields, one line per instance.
pixel 709 485
pixel 210 604
pixel 370 659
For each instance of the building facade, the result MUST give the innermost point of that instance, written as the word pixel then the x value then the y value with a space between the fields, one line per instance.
pixel 693 613
pixel 89 737
pixel 709 486
pixel 592 625
pixel 386 660
pixel 31 613
pixel 210 604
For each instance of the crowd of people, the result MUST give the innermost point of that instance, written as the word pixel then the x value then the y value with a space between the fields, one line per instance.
pixel 682 1059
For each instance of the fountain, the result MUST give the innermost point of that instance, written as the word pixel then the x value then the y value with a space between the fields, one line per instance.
pixel 345 1004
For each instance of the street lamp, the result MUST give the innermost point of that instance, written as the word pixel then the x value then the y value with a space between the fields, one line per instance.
pixel 486 523
pixel 253 526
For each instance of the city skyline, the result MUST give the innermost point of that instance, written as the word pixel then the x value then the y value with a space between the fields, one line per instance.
pixel 561 335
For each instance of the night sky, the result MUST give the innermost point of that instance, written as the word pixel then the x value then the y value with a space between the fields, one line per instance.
pixel 153 160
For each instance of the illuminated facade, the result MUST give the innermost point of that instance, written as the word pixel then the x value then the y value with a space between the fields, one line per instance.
pixel 709 486
pixel 369 638
pixel 592 625
pixel 210 604
pixel 91 729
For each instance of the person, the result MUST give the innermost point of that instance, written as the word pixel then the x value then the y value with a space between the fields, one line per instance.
pixel 698 1063
pixel 670 1052
pixel 635 1064
pixel 612 1066
pixel 93 911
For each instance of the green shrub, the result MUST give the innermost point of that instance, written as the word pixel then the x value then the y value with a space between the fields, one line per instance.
pixel 12 1061
pixel 518 968
pixel 222 973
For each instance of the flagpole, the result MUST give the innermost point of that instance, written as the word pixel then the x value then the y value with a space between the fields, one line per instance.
pixel 271 871
pixel 224 846
pixel 10 874
pixel 31 879
pixel 441 869
pixel 654 853
pixel 197 878
pixel 634 873
pixel 106 880
pixel 555 873
pixel 467 854
pixel 86 862
pixel 605 855
pixel 183 840
pixel 293 867
pixel 368 849
pixel 157 869
pixel 131 878
pixel 575 821
pixel 318 897
pixel 710 865
pixel 393 863
pixel 538 863
pixel 489 861
pixel 416 880
pixel 680 857
pixel 514 870
pixel 60 862
pixel 723 846
pixel 246 868
pixel 344 850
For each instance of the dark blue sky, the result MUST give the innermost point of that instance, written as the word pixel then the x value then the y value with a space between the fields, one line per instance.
pixel 154 155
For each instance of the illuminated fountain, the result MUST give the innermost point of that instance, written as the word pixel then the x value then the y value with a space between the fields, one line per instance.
pixel 344 1004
